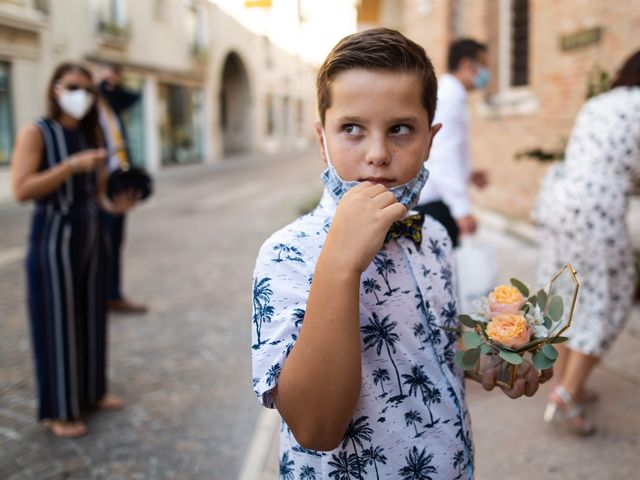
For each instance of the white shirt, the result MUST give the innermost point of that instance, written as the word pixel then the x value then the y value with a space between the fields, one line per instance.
pixel 449 163
pixel 411 415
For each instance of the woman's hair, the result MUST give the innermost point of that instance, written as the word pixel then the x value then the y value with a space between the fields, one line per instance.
pixel 629 74
pixel 89 124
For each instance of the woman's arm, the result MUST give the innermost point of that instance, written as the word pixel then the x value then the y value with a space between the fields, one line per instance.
pixel 27 182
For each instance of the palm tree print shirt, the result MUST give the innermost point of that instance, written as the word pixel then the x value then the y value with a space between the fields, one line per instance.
pixel 411 421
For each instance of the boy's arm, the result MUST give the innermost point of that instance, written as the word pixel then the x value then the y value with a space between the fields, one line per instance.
pixel 319 386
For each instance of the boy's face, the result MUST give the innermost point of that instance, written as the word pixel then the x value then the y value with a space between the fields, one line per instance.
pixel 377 128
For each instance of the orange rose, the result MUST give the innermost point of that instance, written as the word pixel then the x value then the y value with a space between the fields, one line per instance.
pixel 506 299
pixel 509 330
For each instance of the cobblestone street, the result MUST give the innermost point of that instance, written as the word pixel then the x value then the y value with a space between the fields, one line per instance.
pixel 183 369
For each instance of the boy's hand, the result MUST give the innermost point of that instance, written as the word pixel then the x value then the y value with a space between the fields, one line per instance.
pixel 526 383
pixel 360 225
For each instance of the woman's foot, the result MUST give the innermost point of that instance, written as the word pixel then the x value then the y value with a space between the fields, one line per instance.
pixel 562 408
pixel 110 402
pixel 66 429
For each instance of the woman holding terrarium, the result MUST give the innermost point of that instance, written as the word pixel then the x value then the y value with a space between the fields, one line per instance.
pixel 580 213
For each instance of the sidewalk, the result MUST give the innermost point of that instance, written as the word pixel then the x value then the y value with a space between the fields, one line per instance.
pixel 511 440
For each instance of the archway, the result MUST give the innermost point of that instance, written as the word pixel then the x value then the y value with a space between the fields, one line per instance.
pixel 235 106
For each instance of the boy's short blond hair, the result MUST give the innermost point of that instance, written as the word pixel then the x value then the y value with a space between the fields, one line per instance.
pixel 380 49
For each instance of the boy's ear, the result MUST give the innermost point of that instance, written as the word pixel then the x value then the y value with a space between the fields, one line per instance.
pixel 434 131
pixel 318 127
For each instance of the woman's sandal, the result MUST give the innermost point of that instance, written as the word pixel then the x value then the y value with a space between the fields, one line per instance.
pixel 66 429
pixel 562 408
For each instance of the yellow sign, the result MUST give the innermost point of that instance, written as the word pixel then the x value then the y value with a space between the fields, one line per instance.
pixel 257 3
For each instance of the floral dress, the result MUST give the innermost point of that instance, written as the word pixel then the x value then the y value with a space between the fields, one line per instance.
pixel 581 212
pixel 411 420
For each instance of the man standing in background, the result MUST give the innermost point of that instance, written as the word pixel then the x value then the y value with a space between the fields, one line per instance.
pixel 115 100
pixel 445 196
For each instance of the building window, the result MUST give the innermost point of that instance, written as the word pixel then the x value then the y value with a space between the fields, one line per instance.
pixel 181 120
pixel 508 39
pixel 519 43
pixel 6 117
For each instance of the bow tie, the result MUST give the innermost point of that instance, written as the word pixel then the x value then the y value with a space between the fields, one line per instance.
pixel 409 227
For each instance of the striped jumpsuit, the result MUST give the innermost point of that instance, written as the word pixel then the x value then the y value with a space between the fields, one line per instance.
pixel 66 276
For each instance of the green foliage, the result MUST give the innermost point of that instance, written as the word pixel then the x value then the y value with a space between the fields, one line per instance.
pixel 557 339
pixel 510 357
pixel 467 321
pixel 550 352
pixel 555 308
pixel 520 286
pixel 471 339
pixel 468 359
pixel 542 299
pixel 541 362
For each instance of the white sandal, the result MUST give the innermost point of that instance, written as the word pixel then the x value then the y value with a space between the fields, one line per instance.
pixel 562 409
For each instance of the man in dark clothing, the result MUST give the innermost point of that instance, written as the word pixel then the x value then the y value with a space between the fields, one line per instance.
pixel 116 99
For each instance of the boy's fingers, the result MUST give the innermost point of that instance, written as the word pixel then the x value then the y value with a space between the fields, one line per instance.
pixel 395 211
pixel 545 375
pixel 489 379
pixel 374 189
pixel 384 199
pixel 517 390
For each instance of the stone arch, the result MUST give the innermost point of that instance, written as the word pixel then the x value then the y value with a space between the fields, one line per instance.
pixel 235 106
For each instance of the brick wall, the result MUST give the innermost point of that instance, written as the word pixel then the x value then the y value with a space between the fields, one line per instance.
pixel 557 81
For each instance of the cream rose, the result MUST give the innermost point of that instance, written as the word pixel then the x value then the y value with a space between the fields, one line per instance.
pixel 509 330
pixel 506 299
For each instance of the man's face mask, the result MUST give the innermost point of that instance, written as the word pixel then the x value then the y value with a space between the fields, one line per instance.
pixel 481 79
pixel 407 194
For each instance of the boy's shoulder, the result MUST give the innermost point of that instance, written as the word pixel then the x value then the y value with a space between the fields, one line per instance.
pixel 301 238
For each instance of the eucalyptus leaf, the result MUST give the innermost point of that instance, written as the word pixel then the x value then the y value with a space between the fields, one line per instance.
pixel 542 299
pixel 550 352
pixel 471 339
pixel 533 300
pixel 548 321
pixel 511 357
pixel 555 308
pixel 520 286
pixel 467 321
pixel 558 339
pixel 484 349
pixel 470 358
pixel 541 362
pixel 526 308
pixel 458 360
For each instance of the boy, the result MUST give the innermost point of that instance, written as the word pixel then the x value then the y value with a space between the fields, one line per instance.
pixel 347 301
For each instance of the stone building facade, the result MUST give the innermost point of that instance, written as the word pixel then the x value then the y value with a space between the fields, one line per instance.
pixel 214 81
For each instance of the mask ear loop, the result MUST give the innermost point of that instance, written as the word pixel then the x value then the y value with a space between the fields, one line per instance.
pixel 326 148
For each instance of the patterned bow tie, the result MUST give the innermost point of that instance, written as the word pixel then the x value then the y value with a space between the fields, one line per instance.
pixel 409 227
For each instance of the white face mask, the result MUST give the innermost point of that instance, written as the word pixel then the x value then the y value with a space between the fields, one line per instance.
pixel 76 103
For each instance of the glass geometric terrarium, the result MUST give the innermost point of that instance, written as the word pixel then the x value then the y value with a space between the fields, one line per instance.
pixel 555 305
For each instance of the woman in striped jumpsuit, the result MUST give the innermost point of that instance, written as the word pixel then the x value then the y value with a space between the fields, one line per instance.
pixel 56 163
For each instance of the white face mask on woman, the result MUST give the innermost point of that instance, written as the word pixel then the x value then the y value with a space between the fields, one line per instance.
pixel 75 103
